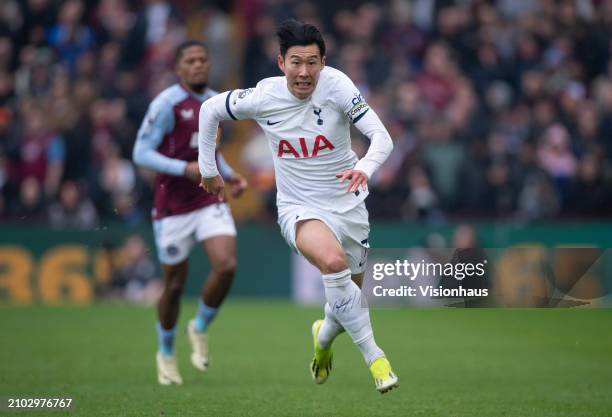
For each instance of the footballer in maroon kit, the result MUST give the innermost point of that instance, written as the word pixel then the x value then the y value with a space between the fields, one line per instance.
pixel 183 213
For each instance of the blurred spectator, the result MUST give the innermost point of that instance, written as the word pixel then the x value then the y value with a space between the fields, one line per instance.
pixel 39 16
pixel 134 276
pixel 116 187
pixel 217 33
pixel 7 89
pixel 34 75
pixel 42 151
pixel 556 158
pixel 31 205
pixel 69 36
pixel 468 251
pixel 437 82
pixel 444 159
pixel 422 202
pixel 160 16
pixel 72 209
pixel 588 192
pixel 122 34
pixel 139 272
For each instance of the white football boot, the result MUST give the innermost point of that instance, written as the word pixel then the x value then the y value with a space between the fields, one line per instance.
pixel 167 370
pixel 199 347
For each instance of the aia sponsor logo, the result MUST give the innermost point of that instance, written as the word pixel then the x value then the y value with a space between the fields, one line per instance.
pixel 302 149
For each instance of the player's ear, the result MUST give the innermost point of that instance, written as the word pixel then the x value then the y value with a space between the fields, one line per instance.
pixel 323 61
pixel 281 63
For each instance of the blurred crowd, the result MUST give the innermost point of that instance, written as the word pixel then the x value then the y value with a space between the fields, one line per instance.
pixel 498 109
pixel 76 78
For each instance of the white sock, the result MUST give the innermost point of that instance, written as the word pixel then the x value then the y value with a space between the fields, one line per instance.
pixel 345 300
pixel 330 328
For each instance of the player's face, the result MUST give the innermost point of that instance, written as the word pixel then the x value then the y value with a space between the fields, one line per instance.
pixel 192 68
pixel 302 66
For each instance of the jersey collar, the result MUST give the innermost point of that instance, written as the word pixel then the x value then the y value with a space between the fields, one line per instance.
pixel 200 97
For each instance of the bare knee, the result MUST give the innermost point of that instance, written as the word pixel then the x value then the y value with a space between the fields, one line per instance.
pixel 334 262
pixel 317 242
pixel 225 267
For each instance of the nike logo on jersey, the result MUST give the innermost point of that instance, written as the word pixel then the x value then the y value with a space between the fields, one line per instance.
pixel 187 114
pixel 273 123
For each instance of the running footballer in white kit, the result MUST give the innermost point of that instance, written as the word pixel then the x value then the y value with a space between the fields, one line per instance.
pixel 306 116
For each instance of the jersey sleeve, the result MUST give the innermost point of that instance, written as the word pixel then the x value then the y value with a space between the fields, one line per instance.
pixel 243 104
pixel 234 104
pixel 381 143
pixel 158 121
pixel 348 99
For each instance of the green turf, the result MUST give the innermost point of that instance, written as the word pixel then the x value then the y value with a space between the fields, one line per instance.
pixel 451 362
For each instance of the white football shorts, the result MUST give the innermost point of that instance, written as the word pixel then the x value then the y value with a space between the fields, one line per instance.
pixel 176 235
pixel 351 229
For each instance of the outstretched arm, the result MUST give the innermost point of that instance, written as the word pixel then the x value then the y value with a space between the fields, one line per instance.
pixel 381 146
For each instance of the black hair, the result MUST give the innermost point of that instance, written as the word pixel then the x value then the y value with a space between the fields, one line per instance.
pixel 188 44
pixel 295 33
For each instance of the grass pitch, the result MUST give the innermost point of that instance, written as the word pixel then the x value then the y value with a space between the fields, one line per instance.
pixel 451 362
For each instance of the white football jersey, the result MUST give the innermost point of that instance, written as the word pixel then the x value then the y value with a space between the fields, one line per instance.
pixel 309 139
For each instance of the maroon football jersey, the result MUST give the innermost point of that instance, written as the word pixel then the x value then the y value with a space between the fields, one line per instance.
pixel 173 194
